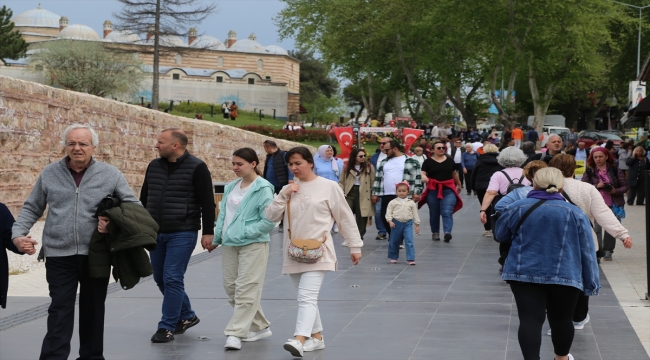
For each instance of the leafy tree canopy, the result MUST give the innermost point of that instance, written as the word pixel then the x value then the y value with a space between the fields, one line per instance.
pixel 314 77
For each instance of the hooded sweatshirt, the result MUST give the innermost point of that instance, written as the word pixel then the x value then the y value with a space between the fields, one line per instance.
pixel 486 165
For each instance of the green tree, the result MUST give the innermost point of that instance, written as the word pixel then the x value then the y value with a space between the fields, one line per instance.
pixel 12 44
pixel 325 109
pixel 88 67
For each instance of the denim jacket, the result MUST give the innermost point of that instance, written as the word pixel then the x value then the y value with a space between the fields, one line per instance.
pixel 553 246
pixel 249 224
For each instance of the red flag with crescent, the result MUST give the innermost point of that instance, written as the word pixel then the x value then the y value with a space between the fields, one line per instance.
pixel 409 136
pixel 345 137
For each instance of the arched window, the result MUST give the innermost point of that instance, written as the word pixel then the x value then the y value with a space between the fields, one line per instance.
pixel 260 64
pixel 178 59
pixel 220 61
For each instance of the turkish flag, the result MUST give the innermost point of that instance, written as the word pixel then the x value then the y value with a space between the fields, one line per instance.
pixel 409 136
pixel 345 137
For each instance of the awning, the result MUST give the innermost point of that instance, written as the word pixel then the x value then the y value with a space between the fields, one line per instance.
pixel 643 109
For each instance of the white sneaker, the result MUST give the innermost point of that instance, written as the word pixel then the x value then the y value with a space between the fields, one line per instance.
pixel 570 357
pixel 256 335
pixel 294 347
pixel 487 233
pixel 549 332
pixel 345 243
pixel 581 325
pixel 312 344
pixel 336 228
pixel 401 246
pixel 233 343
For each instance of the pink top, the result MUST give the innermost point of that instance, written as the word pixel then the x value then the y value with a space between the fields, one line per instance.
pixel 604 177
pixel 499 182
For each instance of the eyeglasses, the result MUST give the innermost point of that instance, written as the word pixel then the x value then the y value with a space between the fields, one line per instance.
pixel 383 143
pixel 441 147
pixel 361 156
pixel 72 145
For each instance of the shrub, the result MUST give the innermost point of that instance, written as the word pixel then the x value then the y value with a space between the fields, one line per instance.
pixel 298 136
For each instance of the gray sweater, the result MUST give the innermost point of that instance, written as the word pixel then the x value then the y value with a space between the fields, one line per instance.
pixel 70 220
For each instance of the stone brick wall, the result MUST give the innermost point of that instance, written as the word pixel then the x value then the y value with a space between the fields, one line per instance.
pixel 33 117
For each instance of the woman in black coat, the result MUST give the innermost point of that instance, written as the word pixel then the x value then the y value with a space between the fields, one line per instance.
pixel 486 165
pixel 6 222
pixel 638 164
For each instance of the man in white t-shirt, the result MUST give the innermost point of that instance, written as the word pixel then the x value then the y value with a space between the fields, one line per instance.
pixel 435 132
pixel 456 152
pixel 396 168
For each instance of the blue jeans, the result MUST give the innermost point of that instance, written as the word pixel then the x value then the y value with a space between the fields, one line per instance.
pixel 169 260
pixel 402 230
pixel 441 207
pixel 378 223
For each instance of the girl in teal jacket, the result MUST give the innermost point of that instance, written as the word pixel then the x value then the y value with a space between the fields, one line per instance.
pixel 243 230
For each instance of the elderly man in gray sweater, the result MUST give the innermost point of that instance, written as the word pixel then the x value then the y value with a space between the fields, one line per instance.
pixel 72 188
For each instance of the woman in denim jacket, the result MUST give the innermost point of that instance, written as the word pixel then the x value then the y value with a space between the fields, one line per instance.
pixel 612 185
pixel 243 230
pixel 551 260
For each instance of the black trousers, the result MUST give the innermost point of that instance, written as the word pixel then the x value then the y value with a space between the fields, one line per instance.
pixel 385 199
pixel 535 302
pixel 459 169
pixel 582 308
pixel 354 201
pixel 63 274
pixel 481 194
pixel 468 184
pixel 636 192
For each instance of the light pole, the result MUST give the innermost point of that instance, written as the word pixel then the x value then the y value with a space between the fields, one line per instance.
pixel 638 53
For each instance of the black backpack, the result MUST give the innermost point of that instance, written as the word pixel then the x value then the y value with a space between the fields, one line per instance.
pixel 512 185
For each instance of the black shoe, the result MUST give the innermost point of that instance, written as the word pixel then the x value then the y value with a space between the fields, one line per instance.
pixel 435 236
pixel 447 237
pixel 631 204
pixel 162 336
pixel 183 325
pixel 381 237
pixel 637 204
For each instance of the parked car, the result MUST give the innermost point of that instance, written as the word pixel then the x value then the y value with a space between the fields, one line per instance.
pixel 593 137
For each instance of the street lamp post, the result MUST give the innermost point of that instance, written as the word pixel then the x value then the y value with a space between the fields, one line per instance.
pixel 638 52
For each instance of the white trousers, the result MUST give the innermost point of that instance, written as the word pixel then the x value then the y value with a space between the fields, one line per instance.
pixel 518 144
pixel 308 286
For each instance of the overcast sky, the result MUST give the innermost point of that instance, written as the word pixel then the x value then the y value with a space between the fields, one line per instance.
pixel 243 16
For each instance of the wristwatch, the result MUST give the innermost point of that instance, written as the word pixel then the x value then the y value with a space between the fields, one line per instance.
pixel 480 211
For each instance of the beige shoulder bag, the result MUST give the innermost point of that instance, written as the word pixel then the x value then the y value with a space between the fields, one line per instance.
pixel 307 251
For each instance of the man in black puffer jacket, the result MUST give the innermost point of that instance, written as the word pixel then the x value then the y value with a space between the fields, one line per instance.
pixel 276 170
pixel 486 165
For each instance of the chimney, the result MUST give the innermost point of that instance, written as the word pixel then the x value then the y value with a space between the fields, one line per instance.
pixel 192 34
pixel 63 23
pixel 232 39
pixel 150 30
pixel 108 28
pixel 252 37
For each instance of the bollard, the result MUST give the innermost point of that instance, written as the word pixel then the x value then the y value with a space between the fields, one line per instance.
pixel 273 113
pixel 211 110
pixel 188 102
pixel 171 105
pixel 647 233
pixel 142 100
pixel 261 114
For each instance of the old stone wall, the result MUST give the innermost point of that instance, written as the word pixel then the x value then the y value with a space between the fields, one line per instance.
pixel 33 117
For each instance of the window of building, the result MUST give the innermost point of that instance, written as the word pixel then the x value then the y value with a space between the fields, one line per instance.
pixel 176 77
pixel 220 61
pixel 220 79
pixel 260 64
pixel 251 81
pixel 268 77
pixel 178 59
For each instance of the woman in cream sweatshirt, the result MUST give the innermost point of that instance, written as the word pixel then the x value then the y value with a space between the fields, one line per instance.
pixel 315 204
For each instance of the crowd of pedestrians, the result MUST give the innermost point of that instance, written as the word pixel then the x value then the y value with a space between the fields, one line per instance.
pixel 530 204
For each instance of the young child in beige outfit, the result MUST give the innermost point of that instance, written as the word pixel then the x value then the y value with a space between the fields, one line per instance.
pixel 401 213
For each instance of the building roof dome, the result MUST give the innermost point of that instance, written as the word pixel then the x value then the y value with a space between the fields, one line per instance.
pixel 38 17
pixel 79 32
pixel 208 42
pixel 168 40
pixel 274 49
pixel 123 37
pixel 247 45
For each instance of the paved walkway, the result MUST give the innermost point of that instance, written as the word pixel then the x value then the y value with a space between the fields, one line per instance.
pixel 451 305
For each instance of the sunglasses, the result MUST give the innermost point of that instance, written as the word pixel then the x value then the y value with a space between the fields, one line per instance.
pixel 441 147
pixel 361 156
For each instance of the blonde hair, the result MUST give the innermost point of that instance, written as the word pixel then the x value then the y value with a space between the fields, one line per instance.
pixel 490 148
pixel 417 148
pixel 549 179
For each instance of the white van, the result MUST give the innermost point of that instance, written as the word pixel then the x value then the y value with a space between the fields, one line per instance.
pixel 552 129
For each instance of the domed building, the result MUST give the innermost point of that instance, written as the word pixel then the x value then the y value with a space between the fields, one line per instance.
pixel 196 68
pixel 37 24
pixel 79 32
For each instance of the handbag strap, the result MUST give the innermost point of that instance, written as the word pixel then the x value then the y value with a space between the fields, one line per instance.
pixel 289 215
pixel 527 213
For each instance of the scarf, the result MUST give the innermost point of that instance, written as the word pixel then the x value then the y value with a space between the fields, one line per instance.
pixel 543 195
pixel 321 154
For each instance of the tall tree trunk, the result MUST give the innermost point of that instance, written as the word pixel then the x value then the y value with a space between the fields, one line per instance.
pixel 397 106
pixel 372 111
pixel 409 79
pixel 380 110
pixel 155 92
pixel 540 103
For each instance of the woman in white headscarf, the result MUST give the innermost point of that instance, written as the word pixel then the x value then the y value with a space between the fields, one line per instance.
pixel 326 165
